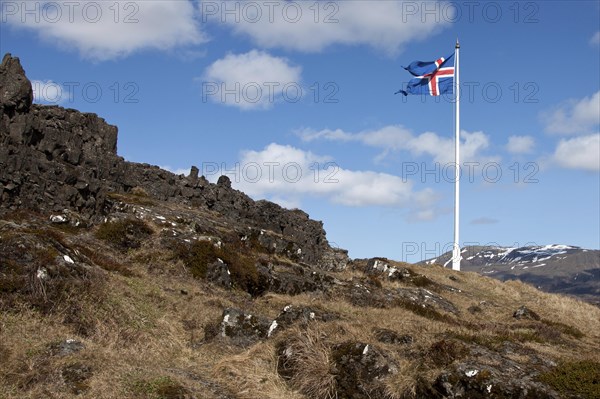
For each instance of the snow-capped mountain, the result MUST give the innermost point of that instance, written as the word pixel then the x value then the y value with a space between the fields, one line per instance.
pixel 555 268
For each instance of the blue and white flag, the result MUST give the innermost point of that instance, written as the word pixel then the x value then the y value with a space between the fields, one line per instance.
pixel 432 78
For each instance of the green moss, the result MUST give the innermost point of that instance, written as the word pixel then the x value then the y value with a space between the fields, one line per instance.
pixel 197 256
pixel 242 266
pixel 124 234
pixel 157 388
pixel 444 352
pixel 244 272
pixel 575 378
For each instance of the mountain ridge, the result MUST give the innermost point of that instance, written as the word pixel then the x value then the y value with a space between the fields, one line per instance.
pixel 557 268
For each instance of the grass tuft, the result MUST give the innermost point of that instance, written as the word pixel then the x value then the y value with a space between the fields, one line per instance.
pixel 304 361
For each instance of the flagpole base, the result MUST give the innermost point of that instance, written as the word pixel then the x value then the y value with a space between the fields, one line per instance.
pixel 456 258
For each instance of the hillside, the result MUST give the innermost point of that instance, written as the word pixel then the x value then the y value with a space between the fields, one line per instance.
pixel 563 269
pixel 121 280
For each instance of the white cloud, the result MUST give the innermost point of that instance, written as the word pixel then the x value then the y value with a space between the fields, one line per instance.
pixel 254 80
pixel 102 30
pixel 574 117
pixel 286 174
pixel 48 92
pixel 520 144
pixel 398 138
pixel 579 153
pixel 595 39
pixel 313 26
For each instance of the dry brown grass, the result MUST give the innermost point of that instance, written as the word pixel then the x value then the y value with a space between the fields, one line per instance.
pixel 144 335
pixel 304 360
pixel 253 374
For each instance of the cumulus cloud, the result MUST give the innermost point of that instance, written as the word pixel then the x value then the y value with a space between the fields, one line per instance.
pixel 579 153
pixel 254 80
pixel 574 116
pixel 102 30
pixel 520 144
pixel 399 138
pixel 48 92
pixel 595 39
pixel 314 26
pixel 286 174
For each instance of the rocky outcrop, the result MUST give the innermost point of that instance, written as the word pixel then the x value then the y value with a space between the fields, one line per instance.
pixel 16 94
pixel 359 369
pixel 477 380
pixel 244 329
pixel 52 158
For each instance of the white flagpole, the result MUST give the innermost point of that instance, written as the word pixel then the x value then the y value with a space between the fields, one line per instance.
pixel 456 246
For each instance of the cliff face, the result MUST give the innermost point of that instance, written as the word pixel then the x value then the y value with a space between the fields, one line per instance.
pixel 52 158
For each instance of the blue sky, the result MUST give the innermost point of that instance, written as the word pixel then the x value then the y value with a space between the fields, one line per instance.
pixel 294 100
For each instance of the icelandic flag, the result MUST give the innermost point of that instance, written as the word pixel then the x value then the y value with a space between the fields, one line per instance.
pixel 432 78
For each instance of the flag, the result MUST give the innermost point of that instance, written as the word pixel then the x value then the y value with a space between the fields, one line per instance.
pixel 432 78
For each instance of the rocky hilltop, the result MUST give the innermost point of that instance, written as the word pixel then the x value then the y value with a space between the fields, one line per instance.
pixel 52 158
pixel 122 280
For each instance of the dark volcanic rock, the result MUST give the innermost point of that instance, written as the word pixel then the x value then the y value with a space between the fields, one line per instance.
pixel 359 369
pixel 218 273
pixel 243 329
pixel 294 314
pixel 294 280
pixel 52 159
pixel 16 93
pixel 476 381
pixel 381 268
pixel 370 295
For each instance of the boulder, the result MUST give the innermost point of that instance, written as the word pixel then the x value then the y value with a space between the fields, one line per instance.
pixel 16 93
pixel 297 314
pixel 381 268
pixel 218 273
pixel 359 369
pixel 242 328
